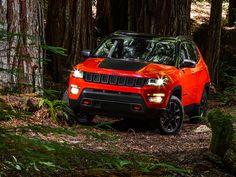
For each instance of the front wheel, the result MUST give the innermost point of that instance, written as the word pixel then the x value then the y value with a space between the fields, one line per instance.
pixel 78 117
pixel 84 118
pixel 170 122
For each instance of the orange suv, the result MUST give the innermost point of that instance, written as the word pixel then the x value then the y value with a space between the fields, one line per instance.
pixel 141 76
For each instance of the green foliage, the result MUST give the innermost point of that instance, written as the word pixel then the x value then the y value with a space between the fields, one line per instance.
pixel 55 50
pixel 227 82
pixel 105 125
pixel 45 130
pixel 32 157
pixel 7 112
pixel 222 132
pixel 101 137
pixel 59 110
pixel 51 94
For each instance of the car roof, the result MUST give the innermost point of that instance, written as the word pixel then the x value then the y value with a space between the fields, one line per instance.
pixel 147 35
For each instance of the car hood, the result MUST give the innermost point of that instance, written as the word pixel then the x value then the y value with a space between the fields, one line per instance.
pixel 125 66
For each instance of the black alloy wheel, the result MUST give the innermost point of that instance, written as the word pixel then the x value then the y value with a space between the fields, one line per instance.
pixel 84 118
pixel 171 121
pixel 200 110
pixel 203 107
pixel 78 117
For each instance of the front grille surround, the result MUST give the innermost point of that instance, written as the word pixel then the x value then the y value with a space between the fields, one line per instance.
pixel 114 80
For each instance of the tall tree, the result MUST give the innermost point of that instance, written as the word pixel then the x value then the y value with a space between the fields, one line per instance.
pixel 69 25
pixel 232 12
pixel 112 15
pixel 21 28
pixel 163 17
pixel 214 39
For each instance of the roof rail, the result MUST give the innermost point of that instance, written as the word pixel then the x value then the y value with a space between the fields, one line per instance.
pixel 182 38
pixel 132 33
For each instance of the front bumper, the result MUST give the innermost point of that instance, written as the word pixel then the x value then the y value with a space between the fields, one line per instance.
pixel 113 103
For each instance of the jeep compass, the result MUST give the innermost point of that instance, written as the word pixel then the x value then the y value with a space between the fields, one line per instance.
pixel 141 76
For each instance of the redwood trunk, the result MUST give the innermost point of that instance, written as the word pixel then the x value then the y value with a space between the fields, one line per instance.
pixel 21 36
pixel 232 12
pixel 112 15
pixel 70 26
pixel 214 39
pixel 162 17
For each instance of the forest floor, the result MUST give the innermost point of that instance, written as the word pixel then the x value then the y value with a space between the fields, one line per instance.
pixel 32 144
pixel 108 147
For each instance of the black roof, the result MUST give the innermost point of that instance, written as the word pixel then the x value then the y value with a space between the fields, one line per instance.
pixel 147 35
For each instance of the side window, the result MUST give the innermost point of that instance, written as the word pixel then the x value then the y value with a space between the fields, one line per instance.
pixel 192 52
pixel 183 53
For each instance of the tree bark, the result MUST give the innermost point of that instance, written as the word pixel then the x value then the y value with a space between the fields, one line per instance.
pixel 232 12
pixel 21 25
pixel 214 39
pixel 162 17
pixel 70 26
pixel 111 16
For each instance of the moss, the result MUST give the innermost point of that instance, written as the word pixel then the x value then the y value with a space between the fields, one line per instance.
pixel 230 160
pixel 222 132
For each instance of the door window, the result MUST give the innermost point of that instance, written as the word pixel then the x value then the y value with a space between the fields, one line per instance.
pixel 192 52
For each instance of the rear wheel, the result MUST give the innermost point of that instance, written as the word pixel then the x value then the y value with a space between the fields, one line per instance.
pixel 200 110
pixel 170 122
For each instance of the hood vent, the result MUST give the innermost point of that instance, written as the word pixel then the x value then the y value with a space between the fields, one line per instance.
pixel 126 65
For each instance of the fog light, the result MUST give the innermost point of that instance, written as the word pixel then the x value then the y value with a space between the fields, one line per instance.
pixel 74 89
pixel 137 107
pixel 87 102
pixel 156 97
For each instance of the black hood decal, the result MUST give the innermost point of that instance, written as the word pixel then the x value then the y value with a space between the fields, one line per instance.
pixel 119 64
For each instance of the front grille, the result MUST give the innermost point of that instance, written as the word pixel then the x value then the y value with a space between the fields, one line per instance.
pixel 114 80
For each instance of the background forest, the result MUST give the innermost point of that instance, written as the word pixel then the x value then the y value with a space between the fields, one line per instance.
pixel 41 41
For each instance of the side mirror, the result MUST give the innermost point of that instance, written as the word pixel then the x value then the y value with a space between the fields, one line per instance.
pixel 188 64
pixel 86 53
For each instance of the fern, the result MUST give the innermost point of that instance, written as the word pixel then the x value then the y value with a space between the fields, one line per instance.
pixel 58 109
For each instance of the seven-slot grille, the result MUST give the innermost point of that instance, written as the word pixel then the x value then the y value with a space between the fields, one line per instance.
pixel 114 80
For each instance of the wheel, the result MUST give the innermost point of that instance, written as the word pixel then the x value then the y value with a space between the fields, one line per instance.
pixel 78 117
pixel 84 118
pixel 170 122
pixel 65 97
pixel 203 107
pixel 200 110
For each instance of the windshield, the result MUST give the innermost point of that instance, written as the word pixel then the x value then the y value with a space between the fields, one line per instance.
pixel 144 49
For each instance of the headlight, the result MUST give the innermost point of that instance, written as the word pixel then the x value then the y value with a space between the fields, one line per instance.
pixel 160 82
pixel 77 73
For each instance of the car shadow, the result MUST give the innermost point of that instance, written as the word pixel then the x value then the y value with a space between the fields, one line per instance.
pixel 125 125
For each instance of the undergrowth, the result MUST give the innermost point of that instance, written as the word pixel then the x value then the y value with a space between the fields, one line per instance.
pixel 33 157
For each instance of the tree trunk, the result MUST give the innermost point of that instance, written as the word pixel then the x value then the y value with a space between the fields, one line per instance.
pixel 21 28
pixel 70 26
pixel 162 17
pixel 111 16
pixel 232 12
pixel 214 39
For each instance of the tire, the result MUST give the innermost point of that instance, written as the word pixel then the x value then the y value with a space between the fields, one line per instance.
pixel 84 118
pixel 171 121
pixel 200 110
pixel 65 97
pixel 78 117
